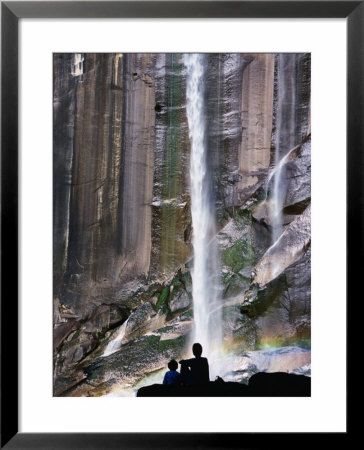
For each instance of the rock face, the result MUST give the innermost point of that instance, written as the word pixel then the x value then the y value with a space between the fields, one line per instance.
pixel 122 220
pixel 293 243
pixel 257 120
pixel 105 239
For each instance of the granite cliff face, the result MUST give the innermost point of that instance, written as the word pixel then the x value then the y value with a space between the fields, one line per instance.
pixel 122 220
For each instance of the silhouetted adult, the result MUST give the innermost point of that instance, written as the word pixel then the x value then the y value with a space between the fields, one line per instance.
pixel 195 371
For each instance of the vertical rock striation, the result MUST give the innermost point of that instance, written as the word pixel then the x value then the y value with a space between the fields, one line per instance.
pixel 171 218
pixel 64 103
pixel 257 121
pixel 223 81
pixel 110 148
pixel 137 167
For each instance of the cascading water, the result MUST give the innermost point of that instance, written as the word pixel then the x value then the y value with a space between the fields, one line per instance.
pixel 207 320
pixel 284 136
pixel 115 343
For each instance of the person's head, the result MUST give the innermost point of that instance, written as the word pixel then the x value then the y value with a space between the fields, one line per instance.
pixel 172 365
pixel 197 349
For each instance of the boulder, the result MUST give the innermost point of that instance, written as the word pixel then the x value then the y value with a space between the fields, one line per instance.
pixel 260 385
pixel 279 385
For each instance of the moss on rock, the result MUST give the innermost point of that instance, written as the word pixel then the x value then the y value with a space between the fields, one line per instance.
pixel 234 284
pixel 162 298
pixel 164 329
pixel 239 255
pixel 172 347
pixel 187 315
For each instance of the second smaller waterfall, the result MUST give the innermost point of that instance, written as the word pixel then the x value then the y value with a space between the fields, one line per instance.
pixel 115 344
pixel 284 140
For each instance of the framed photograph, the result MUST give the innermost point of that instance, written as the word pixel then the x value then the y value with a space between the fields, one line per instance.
pixel 157 194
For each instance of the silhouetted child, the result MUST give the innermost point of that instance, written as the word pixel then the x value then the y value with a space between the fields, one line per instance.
pixel 172 377
pixel 195 370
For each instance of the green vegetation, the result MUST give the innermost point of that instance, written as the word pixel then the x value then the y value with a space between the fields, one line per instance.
pixel 172 345
pixel 165 329
pixel 162 298
pixel 188 314
pixel 243 218
pixel 235 284
pixel 150 341
pixel 177 285
pixel 239 255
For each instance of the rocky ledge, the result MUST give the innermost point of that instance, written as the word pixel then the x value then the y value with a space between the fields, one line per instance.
pixel 261 384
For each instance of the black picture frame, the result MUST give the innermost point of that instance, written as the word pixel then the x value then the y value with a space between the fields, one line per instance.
pixel 11 12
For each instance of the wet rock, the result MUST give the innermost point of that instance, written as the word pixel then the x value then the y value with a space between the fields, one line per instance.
pixel 171 217
pixel 105 317
pixel 223 96
pixel 186 315
pixel 64 101
pixel 284 359
pixel 298 180
pixel 235 242
pixel 99 320
pixel 298 278
pixel 281 309
pixel 175 329
pixel 62 331
pixel 294 242
pixel 56 311
pixel 295 210
pixel 62 385
pixel 118 314
pixel 262 237
pixel 291 111
pixel 143 320
pixel 234 284
pixel 241 376
pixel 74 351
pixel 257 117
pixel 239 255
pixel 182 300
pixel 104 249
pixel 135 360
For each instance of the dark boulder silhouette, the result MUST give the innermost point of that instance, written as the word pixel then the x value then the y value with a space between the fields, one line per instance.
pixel 261 384
pixel 279 384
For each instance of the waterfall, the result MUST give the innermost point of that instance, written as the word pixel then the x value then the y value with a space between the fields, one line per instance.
pixel 285 135
pixel 207 320
pixel 115 343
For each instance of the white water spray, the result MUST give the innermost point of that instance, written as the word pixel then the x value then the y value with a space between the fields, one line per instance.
pixel 115 344
pixel 284 136
pixel 207 319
